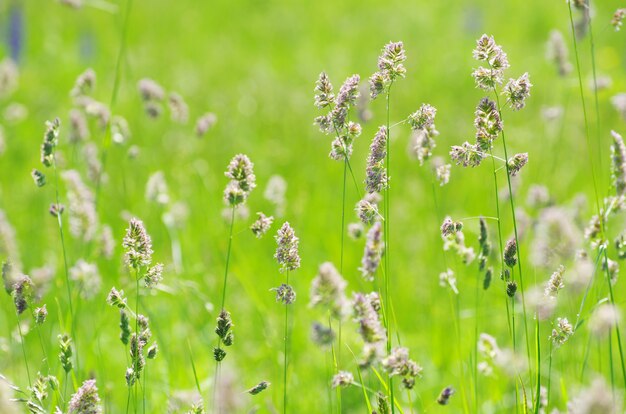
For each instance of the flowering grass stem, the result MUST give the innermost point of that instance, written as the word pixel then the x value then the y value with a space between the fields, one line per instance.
pixel 66 268
pixel 517 243
pixel 593 176
pixel 285 356
pixel 106 140
pixel 386 237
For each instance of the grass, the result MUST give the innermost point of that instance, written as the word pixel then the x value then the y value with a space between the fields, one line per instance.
pixel 254 65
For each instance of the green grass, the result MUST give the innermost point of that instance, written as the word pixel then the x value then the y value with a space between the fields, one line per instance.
pixel 254 64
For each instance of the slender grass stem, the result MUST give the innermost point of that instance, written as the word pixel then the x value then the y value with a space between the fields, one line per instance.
pixel 230 242
pixel 586 357
pixel 43 349
pixel 517 243
pixel 611 372
pixel 106 141
pixel 65 381
pixel 337 356
pixel 143 389
pixel 128 401
pixel 356 186
pixel 617 330
pixel 592 48
pixel 454 304
pixel 285 357
pixel 343 214
pixel 65 265
pixel 475 362
pixel 329 371
pixel 510 315
pixel 225 282
pixel 386 237
pixel 336 365
pixel 584 107
pixel 358 371
pixel 549 377
pixel 593 176
pixel 136 329
pixel 538 348
pixel 193 367
pixel 19 330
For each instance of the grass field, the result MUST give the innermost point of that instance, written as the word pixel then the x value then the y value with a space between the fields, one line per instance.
pixel 254 65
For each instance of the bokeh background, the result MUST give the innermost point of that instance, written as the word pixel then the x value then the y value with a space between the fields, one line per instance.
pixel 254 64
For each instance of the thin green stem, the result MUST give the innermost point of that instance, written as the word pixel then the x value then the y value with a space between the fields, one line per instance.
pixel 65 381
pixel 510 315
pixel 230 242
pixel 592 48
pixel 285 358
pixel 538 347
pixel 584 107
pixel 358 371
pixel 617 330
pixel 584 299
pixel 106 142
pixel 501 244
pixel 336 366
pixel 65 265
pixel 549 377
pixel 329 372
pixel 593 176
pixel 143 389
pixel 454 304
pixel 517 243
pixel 386 237
pixel 43 349
pixel 225 282
pixel 128 401
pixel 611 372
pixel 356 186
pixel 19 329
pixel 343 214
pixel 585 358
pixel 136 328
pixel 475 362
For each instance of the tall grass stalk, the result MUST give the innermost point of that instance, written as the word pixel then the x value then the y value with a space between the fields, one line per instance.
pixel 358 372
pixel 223 301
pixel 611 364
pixel 517 242
pixel 285 356
pixel 335 365
pixel 137 330
pixel 454 304
pixel 337 356
pixel 510 315
pixel 19 330
pixel 193 367
pixel 475 362
pixel 386 238
pixel 456 311
pixel 106 140
pixel 334 370
pixel 593 177
pixel 549 376
pixel 65 266
pixel 343 214
pixel 510 318
pixel 592 49
pixel 43 348
pixel 538 350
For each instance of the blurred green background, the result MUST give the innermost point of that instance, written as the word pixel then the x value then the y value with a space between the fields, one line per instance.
pixel 254 64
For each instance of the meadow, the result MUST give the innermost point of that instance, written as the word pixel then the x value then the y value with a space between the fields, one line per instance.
pixel 458 251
